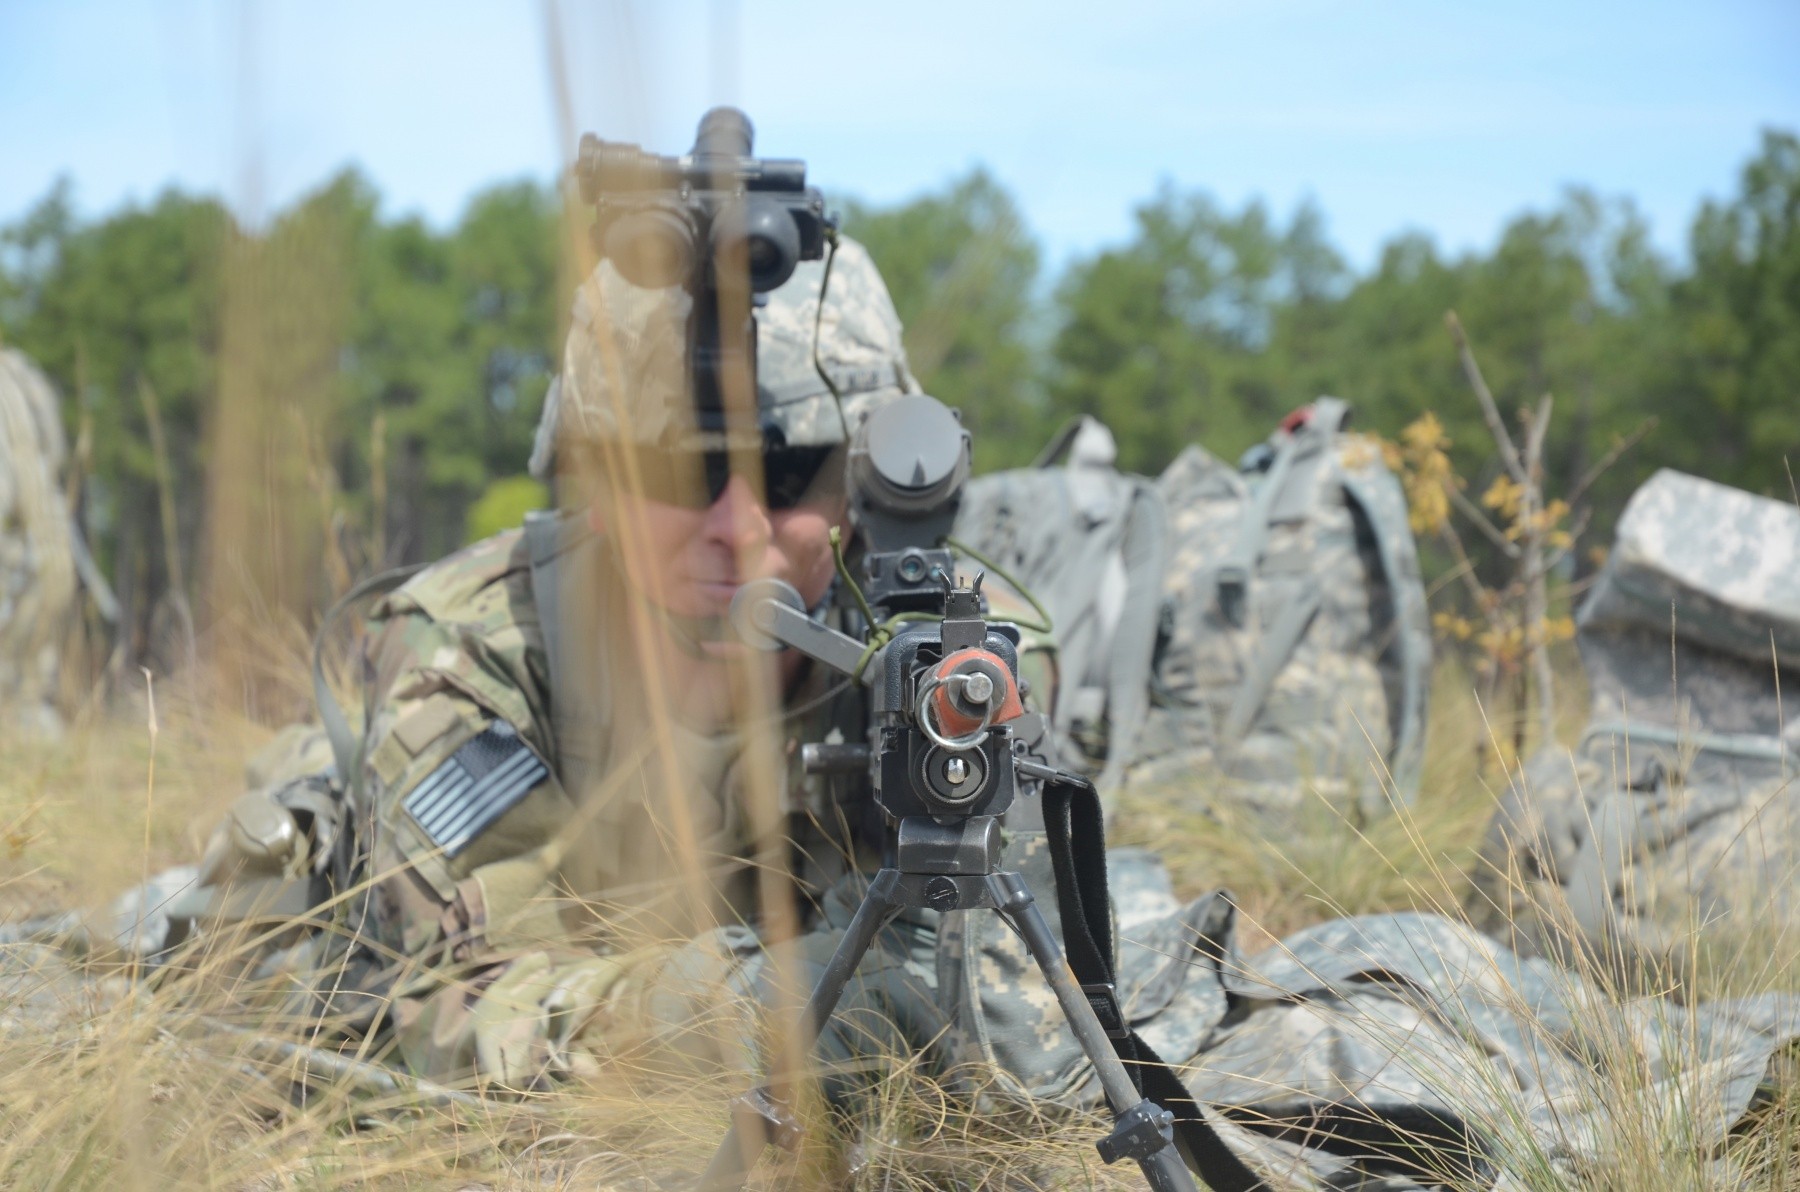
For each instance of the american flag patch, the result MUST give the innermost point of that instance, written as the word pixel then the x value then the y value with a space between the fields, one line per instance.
pixel 474 787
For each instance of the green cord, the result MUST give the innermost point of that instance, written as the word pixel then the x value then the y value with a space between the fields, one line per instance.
pixel 1045 624
pixel 843 570
pixel 868 653
pixel 879 635
pixel 882 634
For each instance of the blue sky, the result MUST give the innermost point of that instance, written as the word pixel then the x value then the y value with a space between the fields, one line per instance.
pixel 1446 118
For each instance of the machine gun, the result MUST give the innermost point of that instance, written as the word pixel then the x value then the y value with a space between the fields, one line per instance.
pixel 944 764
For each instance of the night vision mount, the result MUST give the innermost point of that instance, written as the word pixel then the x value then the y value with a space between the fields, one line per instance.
pixel 671 221
pixel 724 225
pixel 943 758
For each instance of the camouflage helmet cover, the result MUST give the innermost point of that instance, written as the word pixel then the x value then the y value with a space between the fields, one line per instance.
pixel 859 346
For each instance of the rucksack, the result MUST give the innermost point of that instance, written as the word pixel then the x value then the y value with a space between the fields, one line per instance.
pixel 1130 570
pixel 37 562
pixel 1294 654
pixel 1678 808
pixel 1266 623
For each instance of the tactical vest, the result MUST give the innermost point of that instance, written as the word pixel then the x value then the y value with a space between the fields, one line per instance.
pixel 490 637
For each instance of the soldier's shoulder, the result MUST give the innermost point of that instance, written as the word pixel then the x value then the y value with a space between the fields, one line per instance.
pixel 461 683
pixel 487 583
pixel 473 617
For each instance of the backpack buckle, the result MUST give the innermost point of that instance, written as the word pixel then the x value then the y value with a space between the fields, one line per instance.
pixel 1103 996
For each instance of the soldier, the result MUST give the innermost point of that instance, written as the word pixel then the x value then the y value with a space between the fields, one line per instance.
pixel 37 566
pixel 554 785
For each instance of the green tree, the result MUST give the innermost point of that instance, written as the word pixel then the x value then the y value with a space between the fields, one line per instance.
pixel 105 309
pixel 454 345
pixel 961 266
pixel 413 361
pixel 1733 396
pixel 1168 339
pixel 1571 303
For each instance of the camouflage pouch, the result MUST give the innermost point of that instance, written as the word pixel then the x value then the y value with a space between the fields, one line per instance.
pixel 1009 1035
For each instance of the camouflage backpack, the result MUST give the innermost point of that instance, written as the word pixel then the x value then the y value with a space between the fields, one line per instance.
pixel 1295 647
pixel 1264 622
pixel 1677 809
pixel 37 565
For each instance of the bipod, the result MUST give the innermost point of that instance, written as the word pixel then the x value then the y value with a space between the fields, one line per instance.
pixel 947 865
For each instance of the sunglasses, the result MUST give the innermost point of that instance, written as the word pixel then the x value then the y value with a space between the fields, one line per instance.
pixel 696 479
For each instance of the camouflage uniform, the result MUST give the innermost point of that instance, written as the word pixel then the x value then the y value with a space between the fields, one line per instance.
pixel 37 567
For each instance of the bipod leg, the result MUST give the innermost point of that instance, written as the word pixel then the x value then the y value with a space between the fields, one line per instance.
pixel 1142 1130
pixel 759 1118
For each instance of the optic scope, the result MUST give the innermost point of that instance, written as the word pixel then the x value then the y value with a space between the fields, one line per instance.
pixel 681 221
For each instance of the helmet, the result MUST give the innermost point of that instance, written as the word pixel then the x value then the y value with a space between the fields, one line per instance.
pixel 858 346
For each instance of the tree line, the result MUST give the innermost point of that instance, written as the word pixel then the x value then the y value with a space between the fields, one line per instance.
pixel 361 388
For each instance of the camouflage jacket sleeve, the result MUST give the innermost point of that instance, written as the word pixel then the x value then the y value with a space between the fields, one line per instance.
pixel 461 809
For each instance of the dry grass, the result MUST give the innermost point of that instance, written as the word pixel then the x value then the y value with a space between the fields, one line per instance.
pixel 134 1088
pixel 1329 862
pixel 140 1089
pixel 111 1083
pixel 75 815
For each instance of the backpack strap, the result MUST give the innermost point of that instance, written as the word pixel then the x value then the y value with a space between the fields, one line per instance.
pixel 1145 549
pixel 1233 578
pixel 1092 544
pixel 345 745
pixel 1274 650
pixel 1058 446
pixel 1376 497
pixel 1286 494
pixel 1126 609
pixel 547 535
pixel 555 542
pixel 1076 833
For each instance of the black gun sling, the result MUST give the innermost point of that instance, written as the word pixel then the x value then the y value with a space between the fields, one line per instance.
pixel 1076 831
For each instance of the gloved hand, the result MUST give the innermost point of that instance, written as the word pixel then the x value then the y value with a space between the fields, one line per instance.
pixel 537 1019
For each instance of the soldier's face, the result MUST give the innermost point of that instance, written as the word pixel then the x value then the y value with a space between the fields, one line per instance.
pixel 691 562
